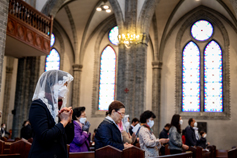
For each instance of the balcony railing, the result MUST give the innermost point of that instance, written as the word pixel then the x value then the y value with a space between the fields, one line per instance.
pixel 28 25
pixel 23 11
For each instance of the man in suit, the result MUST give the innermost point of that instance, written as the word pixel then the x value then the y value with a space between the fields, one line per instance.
pixel 108 132
pixel 190 133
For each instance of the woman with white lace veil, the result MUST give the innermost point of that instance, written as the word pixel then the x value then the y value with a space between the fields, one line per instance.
pixel 49 117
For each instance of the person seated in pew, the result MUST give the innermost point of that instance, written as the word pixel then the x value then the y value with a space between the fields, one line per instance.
pixel 147 139
pixel 190 136
pixel 4 131
pixel 108 132
pixel 175 140
pixel 202 142
pixel 135 121
pixel 26 130
pixel 80 142
pixel 164 134
pixel 50 119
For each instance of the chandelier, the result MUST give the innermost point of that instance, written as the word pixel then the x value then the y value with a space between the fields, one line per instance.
pixel 129 39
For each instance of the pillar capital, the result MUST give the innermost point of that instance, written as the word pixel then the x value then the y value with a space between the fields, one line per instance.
pixel 77 67
pixel 157 64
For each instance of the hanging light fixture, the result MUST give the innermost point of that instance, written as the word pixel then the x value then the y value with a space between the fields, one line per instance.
pixel 104 7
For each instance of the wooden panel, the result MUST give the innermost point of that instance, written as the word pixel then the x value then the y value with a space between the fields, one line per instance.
pixel 232 153
pixel 221 153
pixel 183 155
pixel 89 154
pixel 10 155
pixel 108 152
pixel 21 147
pixel 2 145
pixel 133 152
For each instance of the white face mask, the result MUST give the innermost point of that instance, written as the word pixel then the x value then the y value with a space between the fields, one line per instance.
pixel 205 135
pixel 62 92
pixel 83 120
pixel 150 123
pixel 180 122
pixel 127 124
pixel 195 124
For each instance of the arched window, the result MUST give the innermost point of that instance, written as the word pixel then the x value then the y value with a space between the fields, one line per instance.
pixel 107 77
pixel 202 83
pixel 52 61
pixel 191 78
pixel 213 98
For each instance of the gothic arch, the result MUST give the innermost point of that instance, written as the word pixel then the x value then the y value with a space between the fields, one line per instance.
pixel 187 22
pixel 103 32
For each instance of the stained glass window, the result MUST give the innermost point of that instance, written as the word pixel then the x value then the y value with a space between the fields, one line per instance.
pixel 113 35
pixel 202 30
pixel 52 61
pixel 107 77
pixel 213 95
pixel 52 40
pixel 191 78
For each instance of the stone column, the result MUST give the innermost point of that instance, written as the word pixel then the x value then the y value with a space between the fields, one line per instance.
pixel 27 78
pixel 76 85
pixel 156 94
pixel 3 27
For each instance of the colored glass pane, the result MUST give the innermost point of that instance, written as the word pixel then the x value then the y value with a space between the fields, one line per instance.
pixel 107 77
pixel 202 30
pixel 52 61
pixel 52 40
pixel 113 35
pixel 191 78
pixel 213 82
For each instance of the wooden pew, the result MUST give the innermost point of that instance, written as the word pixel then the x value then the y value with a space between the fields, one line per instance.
pixel 232 153
pixel 10 155
pixel 2 145
pixel 108 152
pixel 221 153
pixel 212 150
pixel 21 147
pixel 89 154
pixel 167 150
pixel 133 152
pixel 182 155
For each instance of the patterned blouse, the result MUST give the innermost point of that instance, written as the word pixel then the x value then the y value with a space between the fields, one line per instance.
pixel 148 142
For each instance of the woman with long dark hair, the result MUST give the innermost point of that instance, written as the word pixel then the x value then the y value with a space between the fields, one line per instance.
pixel 175 139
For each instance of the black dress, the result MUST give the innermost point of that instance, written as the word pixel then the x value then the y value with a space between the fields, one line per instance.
pixel 49 139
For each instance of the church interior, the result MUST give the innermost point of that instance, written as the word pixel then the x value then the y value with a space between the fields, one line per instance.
pixel 167 56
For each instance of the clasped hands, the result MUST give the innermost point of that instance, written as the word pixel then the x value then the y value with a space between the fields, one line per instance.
pixel 65 115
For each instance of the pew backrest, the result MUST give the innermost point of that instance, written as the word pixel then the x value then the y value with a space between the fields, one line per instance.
pixel 21 147
pixel 221 153
pixel 108 152
pixel 232 153
pixel 89 154
pixel 133 152
pixel 10 155
pixel 2 145
pixel 182 155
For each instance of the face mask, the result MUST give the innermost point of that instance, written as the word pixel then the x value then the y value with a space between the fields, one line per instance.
pixel 4 126
pixel 83 120
pixel 62 92
pixel 195 124
pixel 150 123
pixel 180 122
pixel 205 135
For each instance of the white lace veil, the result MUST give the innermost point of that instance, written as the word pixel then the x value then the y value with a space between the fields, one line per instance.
pixel 48 87
pixel 125 120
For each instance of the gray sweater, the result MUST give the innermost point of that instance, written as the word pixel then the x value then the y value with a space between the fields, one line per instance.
pixel 175 139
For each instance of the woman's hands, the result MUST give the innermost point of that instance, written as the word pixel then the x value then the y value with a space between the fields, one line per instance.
pixel 65 115
pixel 163 141
pixel 185 147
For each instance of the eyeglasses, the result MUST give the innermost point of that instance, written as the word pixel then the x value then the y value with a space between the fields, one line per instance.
pixel 121 114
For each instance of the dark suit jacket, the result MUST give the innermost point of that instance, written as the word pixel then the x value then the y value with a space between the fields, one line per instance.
pixel 49 139
pixel 108 134
pixel 190 137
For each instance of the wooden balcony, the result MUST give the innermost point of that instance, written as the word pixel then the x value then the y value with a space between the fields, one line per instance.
pixel 28 31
